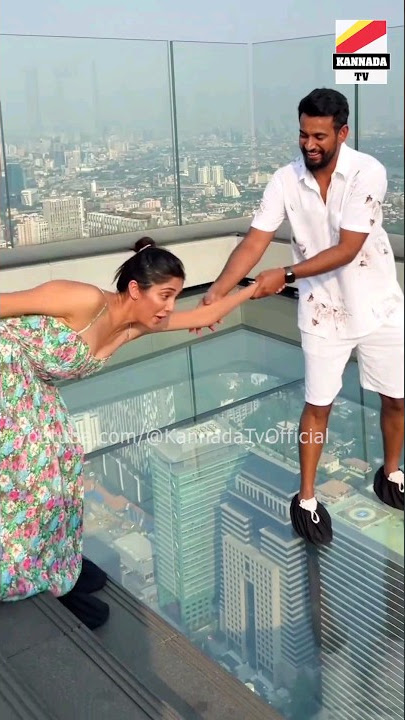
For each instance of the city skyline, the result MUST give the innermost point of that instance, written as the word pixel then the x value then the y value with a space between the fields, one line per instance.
pixel 74 128
pixel 263 609
pixel 60 189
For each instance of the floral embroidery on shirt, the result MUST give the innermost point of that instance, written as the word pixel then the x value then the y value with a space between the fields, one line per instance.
pixel 382 247
pixel 365 259
pixel 323 312
pixel 341 314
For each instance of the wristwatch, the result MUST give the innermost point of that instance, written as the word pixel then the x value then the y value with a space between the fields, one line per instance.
pixel 289 276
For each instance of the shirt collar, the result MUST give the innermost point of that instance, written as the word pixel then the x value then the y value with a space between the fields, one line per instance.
pixel 342 165
pixel 343 162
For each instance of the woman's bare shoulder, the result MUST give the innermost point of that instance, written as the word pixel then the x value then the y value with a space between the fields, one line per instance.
pixel 60 298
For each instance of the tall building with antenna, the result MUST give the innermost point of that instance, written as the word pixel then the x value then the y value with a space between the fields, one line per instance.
pixel 96 101
pixel 33 102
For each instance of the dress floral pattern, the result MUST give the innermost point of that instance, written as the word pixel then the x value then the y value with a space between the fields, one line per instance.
pixel 41 460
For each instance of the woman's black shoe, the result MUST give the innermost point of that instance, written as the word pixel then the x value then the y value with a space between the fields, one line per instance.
pixel 91 611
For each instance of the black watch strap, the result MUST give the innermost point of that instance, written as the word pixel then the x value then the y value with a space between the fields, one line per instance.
pixel 289 275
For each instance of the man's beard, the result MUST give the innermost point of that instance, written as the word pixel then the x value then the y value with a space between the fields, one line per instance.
pixel 324 159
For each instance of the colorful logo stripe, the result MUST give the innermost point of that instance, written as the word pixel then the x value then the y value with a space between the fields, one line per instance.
pixel 360 34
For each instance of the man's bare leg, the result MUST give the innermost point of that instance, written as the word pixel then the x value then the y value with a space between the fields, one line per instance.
pixel 313 427
pixel 392 428
pixel 389 479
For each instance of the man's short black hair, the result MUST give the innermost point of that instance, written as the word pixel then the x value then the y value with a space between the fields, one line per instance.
pixel 324 102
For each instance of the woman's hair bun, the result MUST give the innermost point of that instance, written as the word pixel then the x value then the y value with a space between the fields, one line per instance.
pixel 148 268
pixel 143 243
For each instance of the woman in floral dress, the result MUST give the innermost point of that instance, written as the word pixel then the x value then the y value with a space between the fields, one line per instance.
pixel 57 331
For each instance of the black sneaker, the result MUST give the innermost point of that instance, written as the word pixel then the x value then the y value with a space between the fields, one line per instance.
pixel 311 521
pixel 390 490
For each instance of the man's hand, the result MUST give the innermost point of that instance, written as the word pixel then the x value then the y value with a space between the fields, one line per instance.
pixel 210 297
pixel 269 282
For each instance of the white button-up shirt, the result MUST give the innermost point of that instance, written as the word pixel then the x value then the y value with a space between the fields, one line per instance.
pixel 356 299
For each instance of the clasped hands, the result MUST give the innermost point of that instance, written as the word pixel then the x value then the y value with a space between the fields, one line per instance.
pixel 269 282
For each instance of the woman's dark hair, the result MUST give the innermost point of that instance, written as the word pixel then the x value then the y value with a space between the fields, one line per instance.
pixel 149 266
pixel 325 103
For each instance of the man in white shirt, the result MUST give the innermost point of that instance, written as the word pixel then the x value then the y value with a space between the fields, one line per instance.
pixel 349 296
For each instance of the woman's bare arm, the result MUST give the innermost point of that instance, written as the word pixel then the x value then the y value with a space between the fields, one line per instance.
pixel 207 315
pixel 58 298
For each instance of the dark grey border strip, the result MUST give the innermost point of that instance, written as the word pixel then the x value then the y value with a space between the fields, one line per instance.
pixel 153 707
pixel 228 684
pixel 16 695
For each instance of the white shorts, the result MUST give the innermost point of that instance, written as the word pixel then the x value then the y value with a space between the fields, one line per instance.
pixel 380 358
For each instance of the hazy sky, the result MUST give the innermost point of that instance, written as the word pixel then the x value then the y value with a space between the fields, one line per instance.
pixel 123 85
pixel 210 20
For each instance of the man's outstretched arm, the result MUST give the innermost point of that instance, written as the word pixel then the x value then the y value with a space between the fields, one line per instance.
pixel 266 221
pixel 240 263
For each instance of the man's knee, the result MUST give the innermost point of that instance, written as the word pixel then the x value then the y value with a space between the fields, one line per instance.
pixel 317 412
pixel 392 405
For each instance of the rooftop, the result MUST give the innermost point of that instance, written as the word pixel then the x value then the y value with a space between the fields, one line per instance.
pixel 190 170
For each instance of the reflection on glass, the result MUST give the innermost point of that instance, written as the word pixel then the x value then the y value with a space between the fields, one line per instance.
pixel 239 365
pixel 205 540
pixel 213 118
pixel 381 129
pixel 88 137
pixel 278 87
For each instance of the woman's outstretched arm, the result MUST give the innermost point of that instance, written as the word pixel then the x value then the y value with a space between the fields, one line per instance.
pixel 207 315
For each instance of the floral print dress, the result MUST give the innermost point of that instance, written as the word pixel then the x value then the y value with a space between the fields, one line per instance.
pixel 41 460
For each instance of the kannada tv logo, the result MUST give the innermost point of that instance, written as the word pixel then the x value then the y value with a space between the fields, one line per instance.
pixel 361 52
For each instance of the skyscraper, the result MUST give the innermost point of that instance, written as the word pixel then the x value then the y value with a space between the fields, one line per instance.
pixel 65 217
pixel 16 182
pixel 217 174
pixel 128 417
pixel 230 189
pixel 32 101
pixel 31 230
pixel 191 470
pixel 362 588
pixel 96 101
pixel 265 604
pixel 203 175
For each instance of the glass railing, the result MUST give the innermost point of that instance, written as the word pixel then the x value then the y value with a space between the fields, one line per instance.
pixel 188 481
pixel 111 136
pixel 87 129
pixel 214 130
pixel 381 130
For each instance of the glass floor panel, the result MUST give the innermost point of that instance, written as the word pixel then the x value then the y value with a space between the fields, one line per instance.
pixel 190 513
